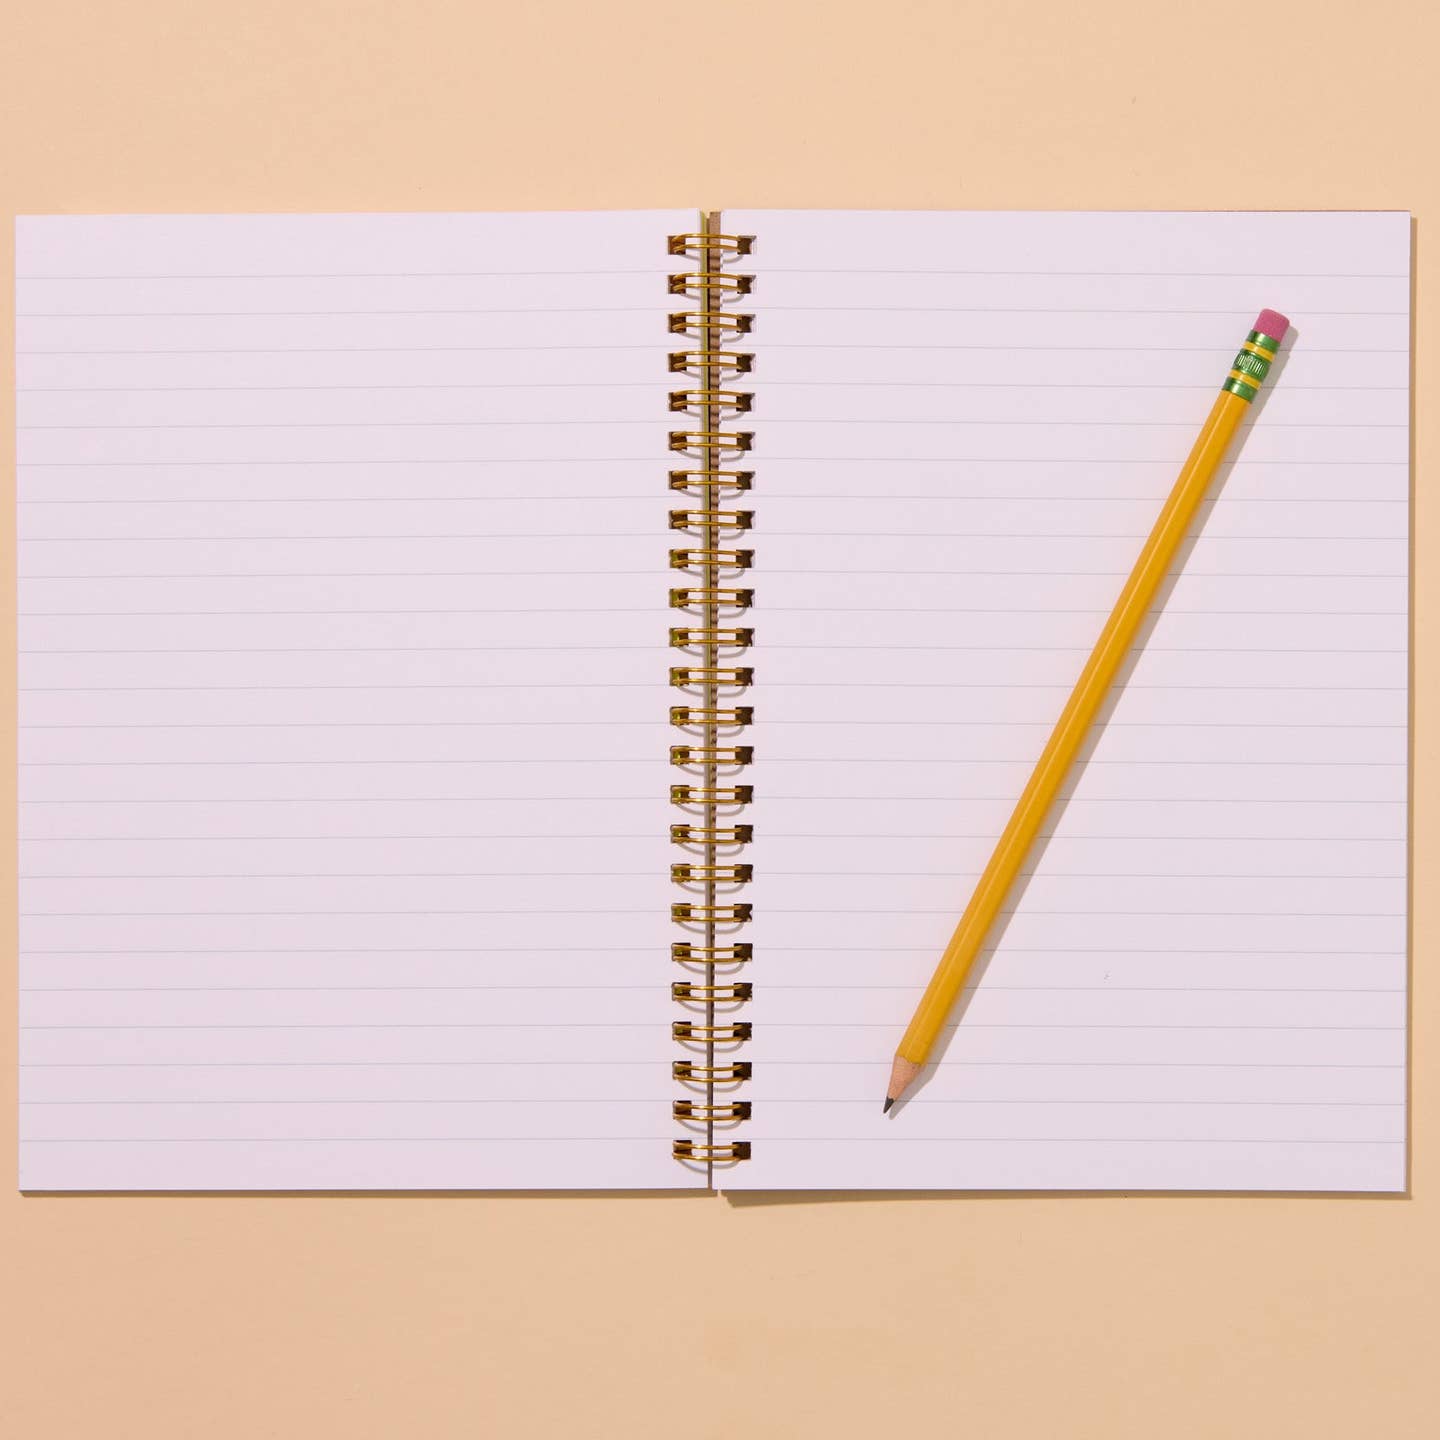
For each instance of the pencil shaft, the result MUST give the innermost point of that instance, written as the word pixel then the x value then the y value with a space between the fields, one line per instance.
pixel 1071 729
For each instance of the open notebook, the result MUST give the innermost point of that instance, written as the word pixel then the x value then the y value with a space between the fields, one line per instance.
pixel 373 568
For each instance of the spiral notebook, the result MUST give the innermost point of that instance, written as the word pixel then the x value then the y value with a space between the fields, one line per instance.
pixel 520 701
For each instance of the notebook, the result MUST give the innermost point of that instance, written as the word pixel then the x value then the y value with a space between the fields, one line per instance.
pixel 519 701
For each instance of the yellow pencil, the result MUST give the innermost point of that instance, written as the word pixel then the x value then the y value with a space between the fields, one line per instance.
pixel 1249 370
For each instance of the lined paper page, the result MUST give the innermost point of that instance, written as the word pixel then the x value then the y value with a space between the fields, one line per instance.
pixel 342 678
pixel 965 427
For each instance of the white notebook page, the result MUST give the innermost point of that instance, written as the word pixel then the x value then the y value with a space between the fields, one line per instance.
pixel 965 426
pixel 342 701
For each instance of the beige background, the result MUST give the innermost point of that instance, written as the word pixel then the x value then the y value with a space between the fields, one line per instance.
pixel 538 1316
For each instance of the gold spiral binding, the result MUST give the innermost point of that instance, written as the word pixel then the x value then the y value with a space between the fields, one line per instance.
pixel 719 1034
pixel 736 676
pixel 735 637
pixel 698 1110
pixel 683 990
pixel 737 400
pixel 711 871
pixel 712 794
pixel 712 834
pixel 721 441
pixel 728 597
pixel 698 715
pixel 683 912
pixel 697 482
pixel 709 240
pixel 711 1153
pixel 711 559
pixel 683 953
pixel 721 874
pixel 708 322
pixel 736 361
pixel 691 1073
pixel 712 754
pixel 724 519
pixel 701 283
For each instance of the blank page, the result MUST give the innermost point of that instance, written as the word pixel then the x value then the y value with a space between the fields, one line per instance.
pixel 965 426
pixel 342 702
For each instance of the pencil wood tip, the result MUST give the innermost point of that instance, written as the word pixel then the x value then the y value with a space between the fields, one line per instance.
pixel 902 1075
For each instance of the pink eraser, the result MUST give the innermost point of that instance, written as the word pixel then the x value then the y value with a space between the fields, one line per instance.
pixel 1273 324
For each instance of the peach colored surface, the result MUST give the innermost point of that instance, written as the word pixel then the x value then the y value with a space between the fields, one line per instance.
pixel 637 1317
